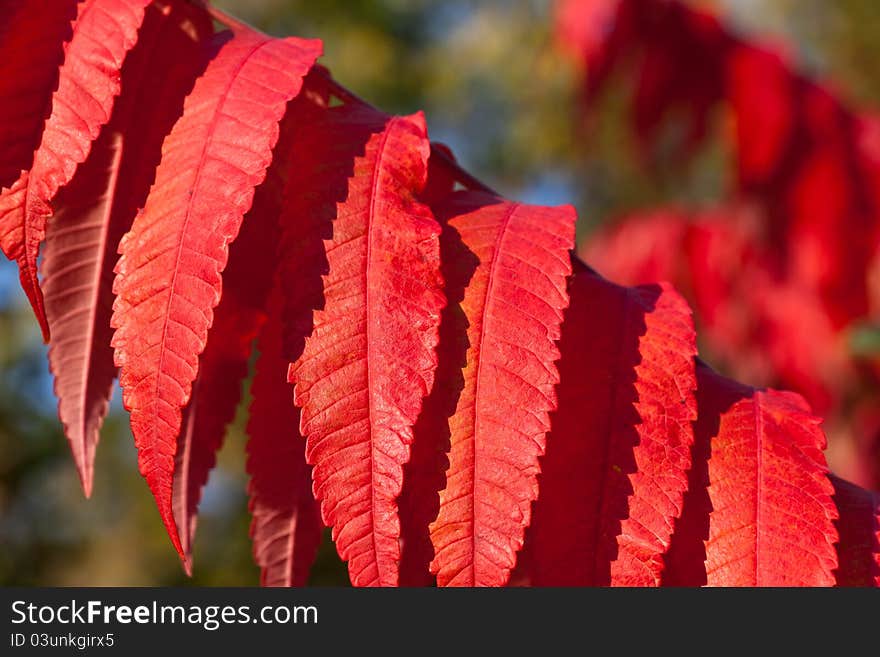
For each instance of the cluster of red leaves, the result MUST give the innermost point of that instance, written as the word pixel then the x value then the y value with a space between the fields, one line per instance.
pixel 470 402
pixel 781 275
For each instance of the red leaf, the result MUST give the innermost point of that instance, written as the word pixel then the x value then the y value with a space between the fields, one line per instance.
pixel 760 91
pixel 286 525
pixel 88 83
pixel 97 208
pixel 168 276
pixel 32 42
pixel 660 38
pixel 238 318
pixel 618 453
pixel 513 306
pixel 760 477
pixel 582 26
pixel 858 551
pixel 798 149
pixel 671 34
pixel 216 392
pixel 370 358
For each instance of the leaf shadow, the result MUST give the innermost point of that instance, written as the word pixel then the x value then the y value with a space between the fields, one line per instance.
pixel 585 485
pixel 424 476
pixel 684 563
pixel 311 210
pixel 856 527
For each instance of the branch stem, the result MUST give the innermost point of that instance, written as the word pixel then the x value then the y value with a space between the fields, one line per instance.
pixel 347 96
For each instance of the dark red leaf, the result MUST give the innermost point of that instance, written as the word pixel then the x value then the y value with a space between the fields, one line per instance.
pixel 858 551
pixel 97 208
pixel 286 525
pixel 618 454
pixel 761 94
pixel 32 43
pixel 425 474
pixel 441 180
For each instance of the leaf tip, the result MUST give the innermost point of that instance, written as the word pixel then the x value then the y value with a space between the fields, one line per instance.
pixel 167 514
pixel 86 480
pixel 35 296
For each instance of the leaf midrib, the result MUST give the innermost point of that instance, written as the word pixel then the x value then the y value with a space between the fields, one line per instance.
pixel 375 190
pixel 188 211
pixel 484 320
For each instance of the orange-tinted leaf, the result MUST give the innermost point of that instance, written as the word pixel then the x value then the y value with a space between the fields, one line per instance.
pixel 369 359
pixel 618 453
pixel 169 273
pixel 88 83
pixel 513 305
pixel 97 208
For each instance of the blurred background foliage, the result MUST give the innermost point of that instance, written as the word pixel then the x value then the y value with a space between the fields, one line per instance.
pixel 495 89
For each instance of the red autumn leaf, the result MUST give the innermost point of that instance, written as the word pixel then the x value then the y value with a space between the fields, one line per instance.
pixel 286 525
pixel 794 335
pixel 798 149
pixel 760 479
pixel 370 358
pixel 618 452
pixel 858 551
pixel 427 418
pixel 238 318
pixel 582 26
pixel 32 40
pixel 242 311
pixel 169 273
pixel 513 306
pixel 97 208
pixel 760 90
pixel 657 37
pixel 670 34
pixel 216 392
pixel 831 225
pixel 88 83
pixel 723 256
